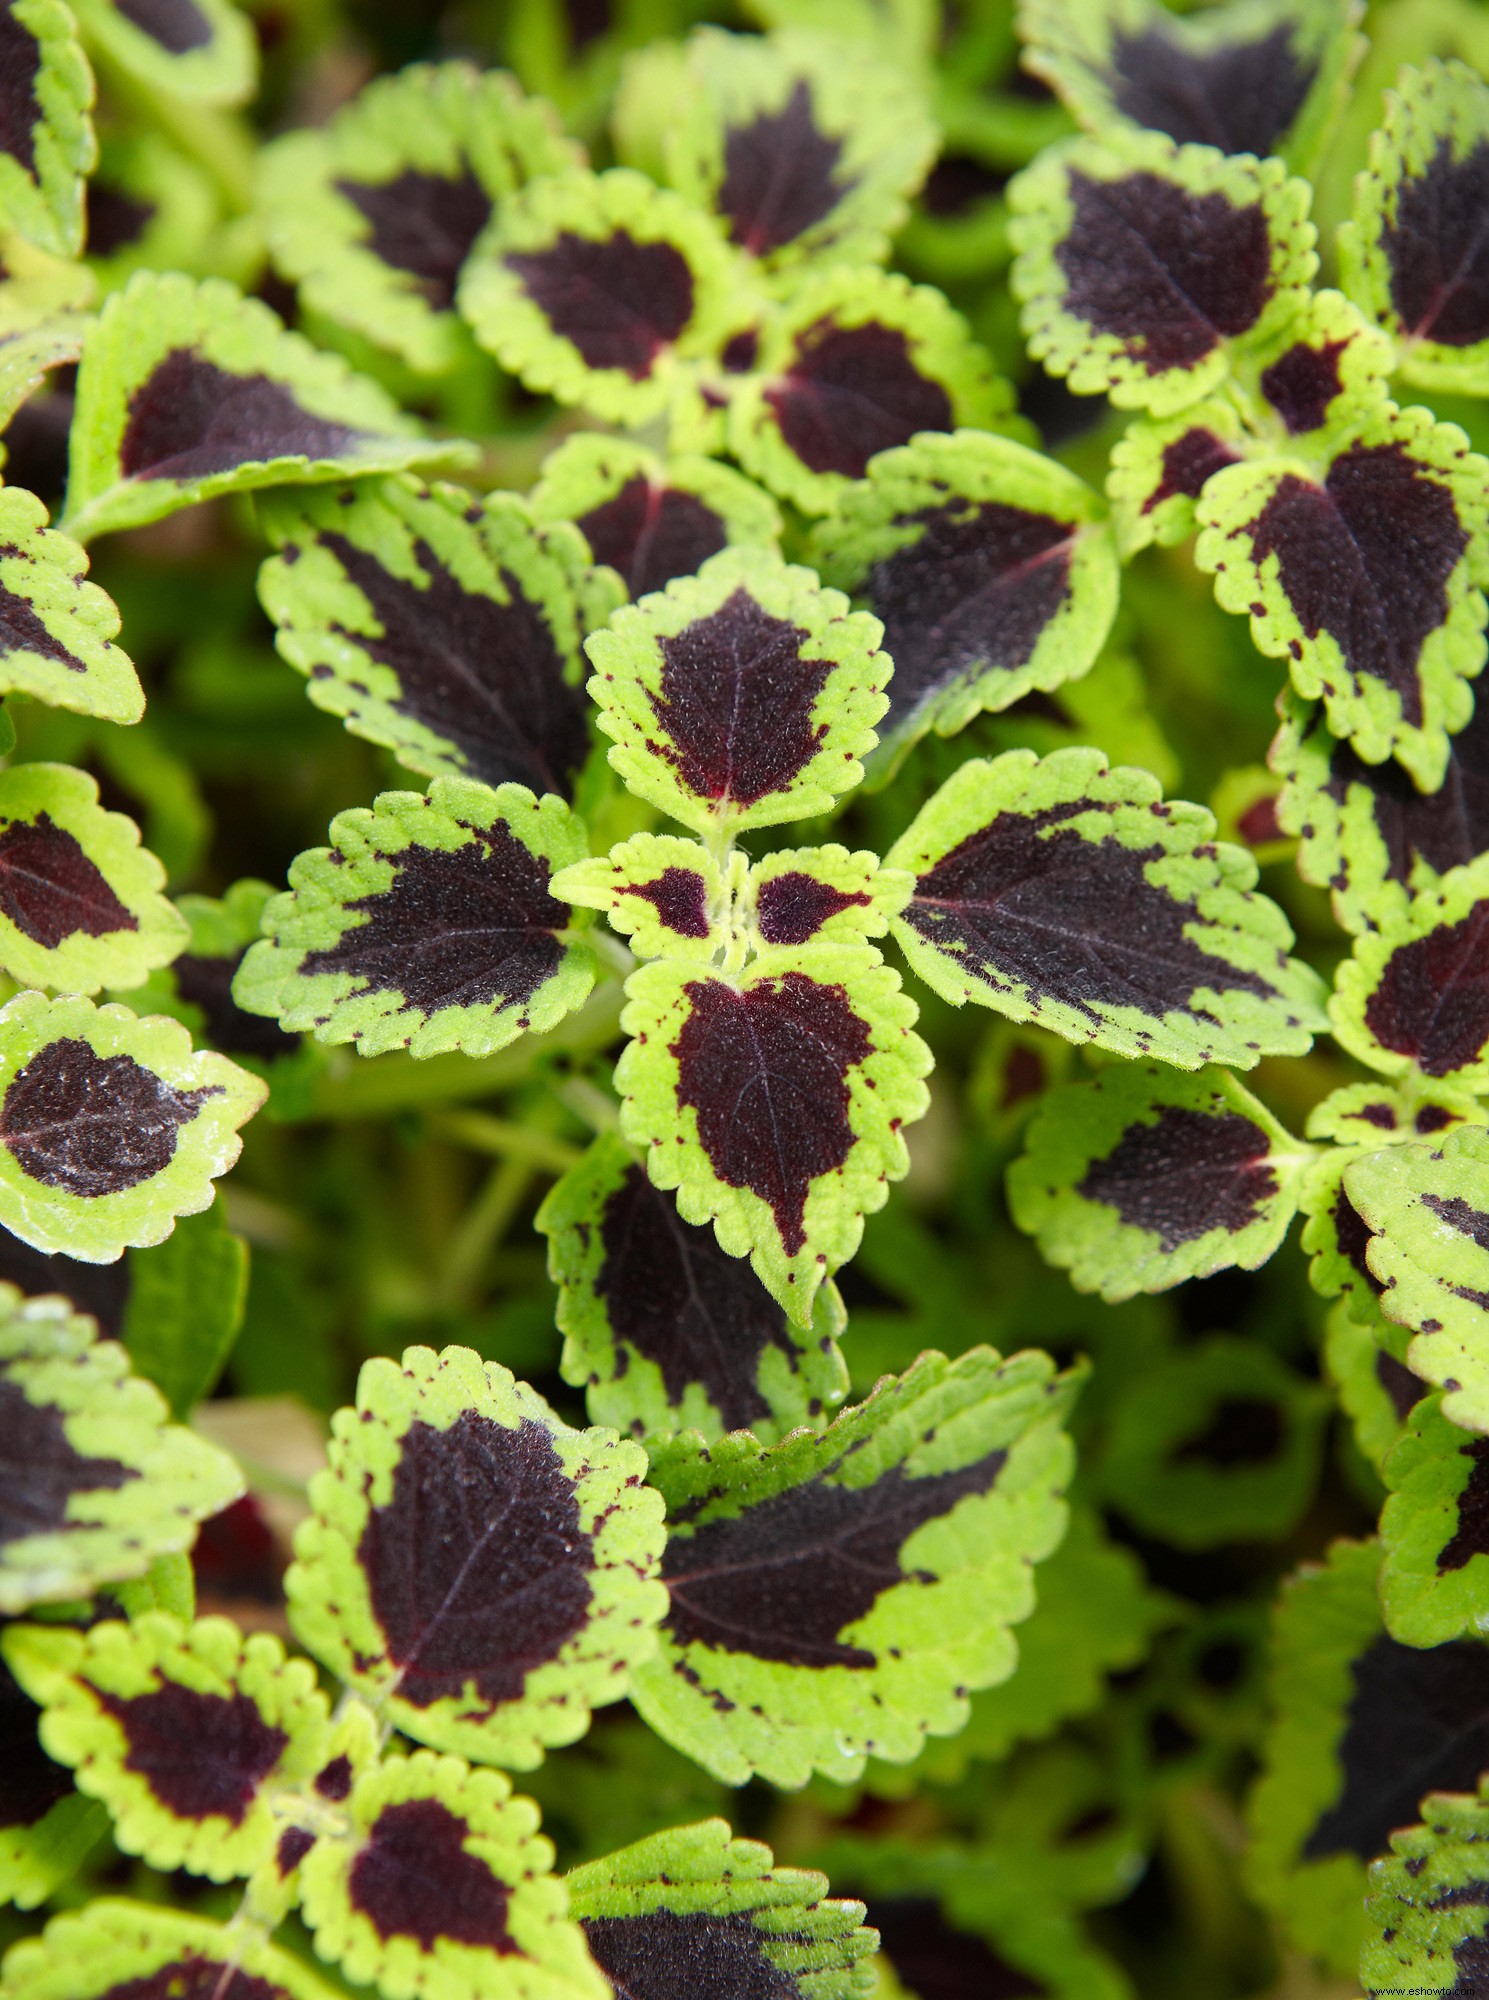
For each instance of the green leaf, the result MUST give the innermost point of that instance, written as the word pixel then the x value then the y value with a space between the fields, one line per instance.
pixel 38 292
pixel 442 1887
pixel 1411 999
pixel 1058 891
pixel 1425 1913
pixel 28 352
pixel 1142 265
pixel 1160 466
pixel 603 290
pixel 429 925
pixel 694 1905
pixel 774 1101
pixel 1359 565
pixel 188 390
pixel 991 567
pixel 664 893
pixel 1411 252
pixel 208 54
pixel 92 1954
pixel 781 1655
pixel 183 1731
pixel 446 1460
pixel 819 895
pixel 1315 375
pixel 49 1825
pixel 49 146
pixel 852 362
pixel 374 214
pixel 98 1483
pixel 649 518
pixel 185 1306
pixel 1434 1578
pixel 110 1126
pixel 448 629
pixel 1142 1178
pixel 742 696
pixel 1376 1391
pixel 56 630
pixel 663 1330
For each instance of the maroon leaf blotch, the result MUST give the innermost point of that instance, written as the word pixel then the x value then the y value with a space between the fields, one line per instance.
pixel 293 1846
pixel 649 534
pixel 21 629
pixel 415 1877
pixel 694 1955
pixel 1458 1214
pixel 40 1468
pixel 792 908
pixel 200 1754
pixel 477 1566
pixel 1242 97
pixel 32 1784
pixel 93 1125
pixel 852 391
pixel 1187 464
pixel 207 983
pixel 1471 1963
pixel 190 419
pixel 766 1070
pixel 471 926
pixel 619 301
pixel 1431 1001
pixel 780 176
pixel 51 889
pixel 785 1578
pixel 1404 1389
pixel 1352 1234
pixel 1470 1536
pixel 1167 272
pixel 20 65
pixel 423 224
pixel 1184 1174
pixel 1301 384
pixel 1445 828
pixel 1437 246
pixel 178 25
pixel 680 898
pixel 940 1963
pixel 335 1781
pixel 197 1978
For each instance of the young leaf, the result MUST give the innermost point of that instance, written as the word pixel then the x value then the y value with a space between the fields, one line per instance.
pixel 429 925
pixel 97 1483
pixel 47 1827
pixel 1427 1910
pixel 853 362
pixel 695 1911
pixel 1160 466
pixel 601 289
pixel 375 214
pixel 991 568
pixel 1434 1528
pixel 1362 572
pixel 183 1731
pixel 836 1597
pixel 110 1126
pixel 1414 995
pixel 744 695
pixel 773 1100
pixel 651 519
pixel 1365 832
pixel 443 1887
pixel 187 390
pixel 1141 264
pixel 56 630
pixel 1414 254
pixel 1316 371
pixel 46 133
pixel 1376 1390
pixel 1057 891
pixel 664 893
pixel 204 50
pixel 480 1570
pixel 663 1330
pixel 804 145
pixel 445 628
pixel 821 895
pixel 1144 1177
pixel 1244 78
pixel 114 1950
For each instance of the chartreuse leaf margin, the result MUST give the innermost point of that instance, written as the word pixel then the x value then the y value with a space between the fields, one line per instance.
pixel 89 1954
pixel 57 631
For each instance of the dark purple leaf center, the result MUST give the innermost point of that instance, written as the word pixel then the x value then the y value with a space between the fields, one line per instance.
pixel 202 1755
pixel 20 113
pixel 190 419
pixel 1431 1001
pixel 1445 828
pixel 698 1955
pixel 791 908
pixel 1184 1174
pixel 51 889
pixel 649 534
pixel 780 176
pixel 680 898
pixel 423 224
pixel 1187 464
pixel 415 1877
pixel 852 391
pixel 1470 1536
pixel 41 1469
pixel 194 1978
pixel 618 300
pixel 93 1125
pixel 1438 248
pixel 1241 97
pixel 1302 382
pixel 21 629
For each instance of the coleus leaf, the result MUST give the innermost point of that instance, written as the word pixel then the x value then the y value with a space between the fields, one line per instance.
pixel 29 350
pixel 1055 890
pixel 820 895
pixel 666 894
pixel 56 630
pixel 1360 568
pixel 742 696
pixel 183 1731
pixel 836 1596
pixel 1365 832
pixel 110 1126
pixel 188 390
pixel 48 1826
pixel 428 925
pixel 97 1482
pixel 1160 466
pixel 804 145
pixel 693 1910
pixel 1362 1728
pixel 374 214
pixel 602 289
pixel 991 568
pixel 1142 264
pixel 1427 1909
pixel 480 1570
pixel 663 1330
pixel 446 628
pixel 81 903
pixel 1243 78
pixel 1376 1390
pixel 648 518
pixel 1434 1529
pixel 1414 995
pixel 1315 371
pixel 773 1100
pixel 1145 1176
pixel 146 1952
pixel 1429 1250
pixel 1413 254
pixel 853 362
pixel 47 145
pixel 204 50
pixel 442 1885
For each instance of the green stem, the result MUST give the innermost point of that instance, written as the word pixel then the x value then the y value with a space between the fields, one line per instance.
pixel 482 1228
pixel 501 1136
